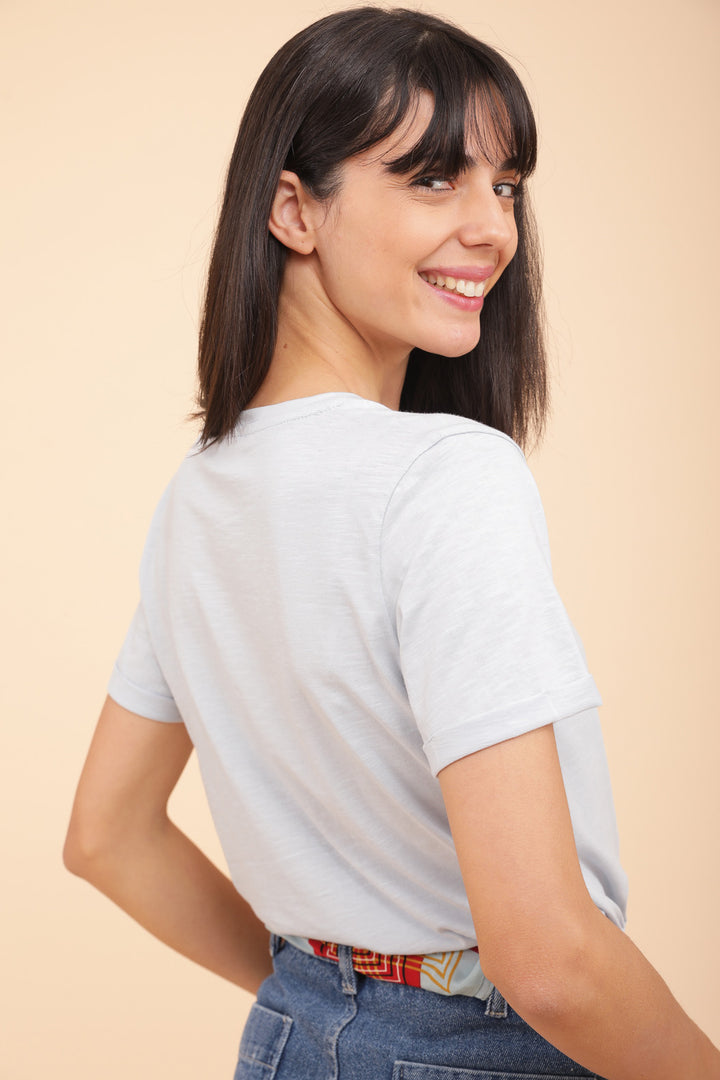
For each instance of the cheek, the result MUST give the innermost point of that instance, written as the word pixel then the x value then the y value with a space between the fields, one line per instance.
pixel 511 247
pixel 359 245
pixel 506 256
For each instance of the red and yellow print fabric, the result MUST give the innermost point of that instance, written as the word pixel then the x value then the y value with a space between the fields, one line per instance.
pixel 444 973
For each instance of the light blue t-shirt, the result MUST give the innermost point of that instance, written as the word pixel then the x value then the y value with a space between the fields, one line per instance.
pixel 338 601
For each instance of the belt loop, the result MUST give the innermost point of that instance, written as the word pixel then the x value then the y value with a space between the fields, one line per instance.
pixel 496 1004
pixel 276 944
pixel 347 972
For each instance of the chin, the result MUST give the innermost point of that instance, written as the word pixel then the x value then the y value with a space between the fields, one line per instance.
pixel 459 347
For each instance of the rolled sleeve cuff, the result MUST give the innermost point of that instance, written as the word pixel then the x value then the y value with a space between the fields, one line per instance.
pixel 143 702
pixel 479 732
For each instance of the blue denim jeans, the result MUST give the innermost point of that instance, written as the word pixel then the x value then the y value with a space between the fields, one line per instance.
pixel 318 1020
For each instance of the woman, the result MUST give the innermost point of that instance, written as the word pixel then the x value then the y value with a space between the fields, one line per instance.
pixel 347 609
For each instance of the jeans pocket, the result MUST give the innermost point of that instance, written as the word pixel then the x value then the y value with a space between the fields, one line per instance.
pixel 411 1070
pixel 263 1041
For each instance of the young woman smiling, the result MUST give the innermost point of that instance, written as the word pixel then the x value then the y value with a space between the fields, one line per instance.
pixel 348 611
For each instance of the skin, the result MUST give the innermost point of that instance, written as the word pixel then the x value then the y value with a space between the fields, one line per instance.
pixel 121 839
pixel 352 306
pixel 563 966
pixel 352 302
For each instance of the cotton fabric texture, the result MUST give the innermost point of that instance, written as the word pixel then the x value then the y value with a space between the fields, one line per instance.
pixel 338 601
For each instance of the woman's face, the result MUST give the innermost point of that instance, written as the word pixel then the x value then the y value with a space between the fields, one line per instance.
pixel 407 262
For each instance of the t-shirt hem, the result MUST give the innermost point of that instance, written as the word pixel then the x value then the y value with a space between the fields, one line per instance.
pixel 479 732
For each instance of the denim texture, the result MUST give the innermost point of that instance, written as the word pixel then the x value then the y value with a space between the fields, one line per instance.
pixel 318 1020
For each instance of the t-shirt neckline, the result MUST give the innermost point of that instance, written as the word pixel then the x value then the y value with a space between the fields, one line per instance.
pixel 294 408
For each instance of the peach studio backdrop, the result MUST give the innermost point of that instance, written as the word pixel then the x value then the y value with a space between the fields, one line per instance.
pixel 118 119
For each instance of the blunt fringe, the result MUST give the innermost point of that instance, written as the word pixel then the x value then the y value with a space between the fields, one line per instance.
pixel 334 90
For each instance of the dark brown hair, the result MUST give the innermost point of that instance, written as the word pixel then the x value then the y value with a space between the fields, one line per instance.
pixel 334 90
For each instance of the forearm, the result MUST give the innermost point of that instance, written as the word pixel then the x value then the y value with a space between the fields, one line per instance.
pixel 163 880
pixel 617 1017
pixel 564 967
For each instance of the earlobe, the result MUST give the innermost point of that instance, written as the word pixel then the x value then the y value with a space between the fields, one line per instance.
pixel 290 222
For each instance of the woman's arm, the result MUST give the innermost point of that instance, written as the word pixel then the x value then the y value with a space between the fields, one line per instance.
pixel 121 840
pixel 562 965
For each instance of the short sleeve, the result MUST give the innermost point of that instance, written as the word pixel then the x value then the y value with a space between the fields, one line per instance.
pixel 137 683
pixel 486 648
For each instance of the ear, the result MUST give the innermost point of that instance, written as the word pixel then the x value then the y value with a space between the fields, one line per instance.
pixel 291 219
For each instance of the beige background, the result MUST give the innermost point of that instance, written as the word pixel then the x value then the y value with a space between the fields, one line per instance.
pixel 119 116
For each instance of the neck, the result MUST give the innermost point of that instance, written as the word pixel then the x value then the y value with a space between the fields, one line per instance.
pixel 318 351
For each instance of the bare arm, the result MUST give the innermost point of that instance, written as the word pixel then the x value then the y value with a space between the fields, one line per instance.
pixel 562 965
pixel 122 841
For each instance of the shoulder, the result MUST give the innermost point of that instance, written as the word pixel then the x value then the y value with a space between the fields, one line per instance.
pixel 465 493
pixel 457 434
pixel 171 501
pixel 453 461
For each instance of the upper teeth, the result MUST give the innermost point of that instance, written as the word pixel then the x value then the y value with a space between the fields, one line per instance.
pixel 458 285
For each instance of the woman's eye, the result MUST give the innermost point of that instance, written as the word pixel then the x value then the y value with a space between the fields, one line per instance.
pixel 506 189
pixel 433 183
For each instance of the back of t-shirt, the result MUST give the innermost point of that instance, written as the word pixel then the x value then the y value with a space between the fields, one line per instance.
pixel 338 601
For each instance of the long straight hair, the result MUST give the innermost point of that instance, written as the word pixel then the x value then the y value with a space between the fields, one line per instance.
pixel 334 90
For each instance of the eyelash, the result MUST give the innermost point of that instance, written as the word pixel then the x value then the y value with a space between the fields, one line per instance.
pixel 427 182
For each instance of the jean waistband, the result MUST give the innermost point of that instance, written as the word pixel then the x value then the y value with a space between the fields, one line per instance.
pixel 446 973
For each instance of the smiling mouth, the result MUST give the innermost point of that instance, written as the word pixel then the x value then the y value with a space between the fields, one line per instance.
pixel 455 285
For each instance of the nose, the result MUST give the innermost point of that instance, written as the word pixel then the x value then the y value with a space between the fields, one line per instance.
pixel 487 219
